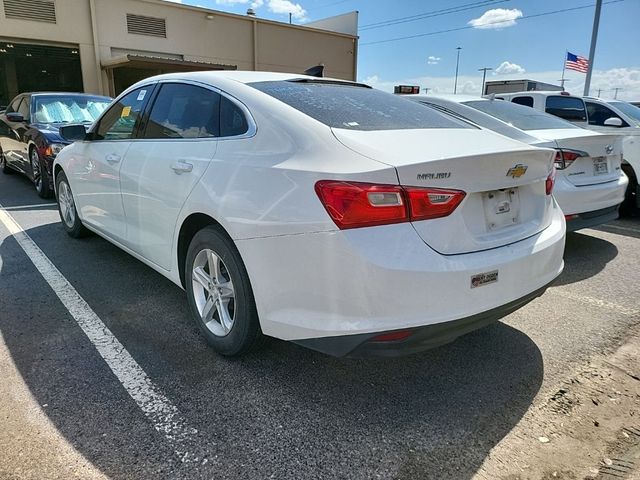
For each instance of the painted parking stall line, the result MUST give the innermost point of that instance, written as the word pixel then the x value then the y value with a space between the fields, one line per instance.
pixel 164 416
pixel 596 302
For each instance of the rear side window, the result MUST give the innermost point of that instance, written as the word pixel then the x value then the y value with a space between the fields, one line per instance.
pixel 184 111
pixel 232 120
pixel 356 107
pixel 569 108
pixel 598 114
pixel 526 101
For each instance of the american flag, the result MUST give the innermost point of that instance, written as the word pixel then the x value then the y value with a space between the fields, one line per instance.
pixel 576 62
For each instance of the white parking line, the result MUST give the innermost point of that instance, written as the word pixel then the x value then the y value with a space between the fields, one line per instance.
pixel 159 410
pixel 595 302
pixel 26 207
pixel 618 227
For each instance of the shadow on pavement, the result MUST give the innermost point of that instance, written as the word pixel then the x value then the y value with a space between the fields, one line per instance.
pixel 627 227
pixel 282 412
pixel 584 257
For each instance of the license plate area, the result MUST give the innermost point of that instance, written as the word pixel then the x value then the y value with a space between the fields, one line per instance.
pixel 600 166
pixel 501 208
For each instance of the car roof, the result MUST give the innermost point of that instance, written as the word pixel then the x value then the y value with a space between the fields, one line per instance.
pixel 445 96
pixel 241 76
pixel 34 94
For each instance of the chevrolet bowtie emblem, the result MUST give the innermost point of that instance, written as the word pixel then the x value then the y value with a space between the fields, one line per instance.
pixel 517 171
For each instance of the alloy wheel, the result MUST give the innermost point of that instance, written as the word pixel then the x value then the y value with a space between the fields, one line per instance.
pixel 36 170
pixel 67 206
pixel 213 292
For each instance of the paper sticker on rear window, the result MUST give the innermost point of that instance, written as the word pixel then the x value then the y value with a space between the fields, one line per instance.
pixel 141 95
pixel 125 112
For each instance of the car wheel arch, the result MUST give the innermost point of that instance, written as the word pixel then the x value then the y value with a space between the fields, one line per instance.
pixel 56 170
pixel 191 225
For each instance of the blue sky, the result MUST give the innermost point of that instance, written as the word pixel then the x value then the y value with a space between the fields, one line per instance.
pixel 532 47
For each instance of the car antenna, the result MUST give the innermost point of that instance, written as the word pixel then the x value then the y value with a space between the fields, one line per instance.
pixel 316 71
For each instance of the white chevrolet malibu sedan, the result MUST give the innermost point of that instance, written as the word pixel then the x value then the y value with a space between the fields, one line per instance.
pixel 318 211
pixel 590 184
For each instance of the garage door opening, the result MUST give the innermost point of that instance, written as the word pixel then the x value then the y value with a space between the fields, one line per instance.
pixel 32 68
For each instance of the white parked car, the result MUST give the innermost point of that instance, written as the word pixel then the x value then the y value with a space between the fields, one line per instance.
pixel 313 210
pixel 613 117
pixel 590 184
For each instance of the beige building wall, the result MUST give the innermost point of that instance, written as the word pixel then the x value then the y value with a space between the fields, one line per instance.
pixel 192 34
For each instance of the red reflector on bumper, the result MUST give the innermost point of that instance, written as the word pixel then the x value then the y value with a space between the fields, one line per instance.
pixel 570 217
pixel 392 336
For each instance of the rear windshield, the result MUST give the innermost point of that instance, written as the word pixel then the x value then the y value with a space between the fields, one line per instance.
pixel 524 118
pixel 356 107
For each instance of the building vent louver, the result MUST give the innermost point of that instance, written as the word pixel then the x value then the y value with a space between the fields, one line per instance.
pixel 142 25
pixel 36 10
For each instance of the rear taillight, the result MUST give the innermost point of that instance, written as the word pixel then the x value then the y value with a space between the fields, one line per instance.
pixel 550 182
pixel 564 158
pixel 356 204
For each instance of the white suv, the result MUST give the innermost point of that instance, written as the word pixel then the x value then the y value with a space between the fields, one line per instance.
pixel 604 116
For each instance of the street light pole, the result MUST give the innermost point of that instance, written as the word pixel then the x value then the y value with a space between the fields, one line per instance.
pixel 455 85
pixel 484 76
pixel 615 95
pixel 592 50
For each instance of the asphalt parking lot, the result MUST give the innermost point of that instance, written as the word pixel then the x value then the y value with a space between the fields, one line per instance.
pixel 282 412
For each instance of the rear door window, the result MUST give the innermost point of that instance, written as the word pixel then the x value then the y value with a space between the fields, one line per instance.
pixel 184 111
pixel 569 108
pixel 355 107
pixel 598 114
pixel 526 101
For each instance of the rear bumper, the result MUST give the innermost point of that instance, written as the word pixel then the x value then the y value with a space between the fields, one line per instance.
pixel 379 279
pixel 589 198
pixel 421 338
pixel 592 219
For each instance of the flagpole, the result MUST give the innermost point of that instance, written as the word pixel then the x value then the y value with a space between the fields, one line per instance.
pixel 592 50
pixel 564 66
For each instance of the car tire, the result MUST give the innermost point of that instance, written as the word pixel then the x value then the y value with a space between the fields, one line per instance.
pixel 631 204
pixel 67 208
pixel 41 178
pixel 3 164
pixel 221 302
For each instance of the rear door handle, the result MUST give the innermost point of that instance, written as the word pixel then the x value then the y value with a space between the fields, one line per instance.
pixel 182 167
pixel 113 158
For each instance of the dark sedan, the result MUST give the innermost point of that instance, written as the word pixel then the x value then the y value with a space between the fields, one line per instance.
pixel 29 138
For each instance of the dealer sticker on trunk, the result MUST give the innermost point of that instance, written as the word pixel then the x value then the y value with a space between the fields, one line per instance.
pixel 481 279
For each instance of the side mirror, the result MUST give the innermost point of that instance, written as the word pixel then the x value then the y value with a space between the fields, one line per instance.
pixel 15 117
pixel 613 122
pixel 73 133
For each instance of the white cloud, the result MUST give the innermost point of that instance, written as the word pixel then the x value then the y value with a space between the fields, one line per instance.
pixel 508 68
pixel 628 79
pixel 286 7
pixel 432 60
pixel 497 18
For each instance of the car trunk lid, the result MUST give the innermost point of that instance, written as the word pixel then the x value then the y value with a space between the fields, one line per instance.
pixel 504 181
pixel 600 160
